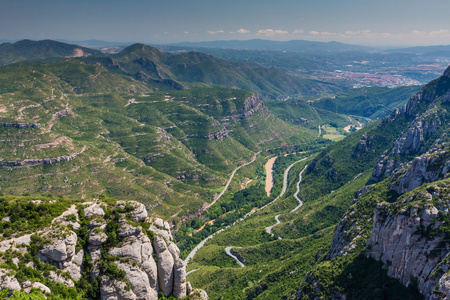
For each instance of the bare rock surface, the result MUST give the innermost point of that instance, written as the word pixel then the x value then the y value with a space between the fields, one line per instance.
pixel 400 241
pixel 133 251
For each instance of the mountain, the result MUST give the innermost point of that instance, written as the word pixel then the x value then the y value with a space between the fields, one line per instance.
pixel 372 224
pixel 259 44
pixel 78 129
pixel 95 43
pixel 397 225
pixel 194 67
pixel 27 50
pixel 439 51
pixel 146 63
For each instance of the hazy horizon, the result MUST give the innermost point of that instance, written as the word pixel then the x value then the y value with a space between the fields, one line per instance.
pixel 381 24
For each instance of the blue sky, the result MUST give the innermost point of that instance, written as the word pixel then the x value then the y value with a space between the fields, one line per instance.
pixel 381 22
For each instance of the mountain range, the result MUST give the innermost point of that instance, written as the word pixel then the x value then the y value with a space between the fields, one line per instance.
pixel 188 136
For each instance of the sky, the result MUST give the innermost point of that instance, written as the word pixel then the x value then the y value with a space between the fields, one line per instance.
pixel 363 22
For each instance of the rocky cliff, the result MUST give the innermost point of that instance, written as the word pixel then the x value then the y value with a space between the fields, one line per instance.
pixel 103 248
pixel 428 112
pixel 410 238
pixel 398 227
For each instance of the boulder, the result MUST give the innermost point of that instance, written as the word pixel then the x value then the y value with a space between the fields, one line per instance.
pixel 126 230
pixel 115 290
pixel 165 265
pixel 139 214
pixel 139 282
pixel 59 248
pixel 97 237
pixel 173 249
pixel 42 287
pixel 61 279
pixel 9 282
pixel 94 209
pixel 131 249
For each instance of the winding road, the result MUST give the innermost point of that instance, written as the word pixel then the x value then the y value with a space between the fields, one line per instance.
pixel 229 180
pixel 194 251
pixel 228 252
pixel 283 191
pixel 298 190
pixel 269 229
pixel 277 217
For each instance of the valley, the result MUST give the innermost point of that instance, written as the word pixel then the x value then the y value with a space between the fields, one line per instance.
pixel 246 179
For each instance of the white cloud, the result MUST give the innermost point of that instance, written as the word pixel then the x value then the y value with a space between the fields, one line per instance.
pixel 243 31
pixel 215 32
pixel 322 33
pixel 186 32
pixel 271 32
pixel 298 31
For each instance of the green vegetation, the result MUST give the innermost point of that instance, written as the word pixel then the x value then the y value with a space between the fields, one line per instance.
pixel 301 113
pixel 19 215
pixel 27 50
pixel 171 148
pixel 369 102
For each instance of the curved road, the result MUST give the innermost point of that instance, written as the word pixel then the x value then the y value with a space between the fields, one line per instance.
pixel 229 180
pixel 202 243
pixel 194 251
pixel 228 252
pixel 298 190
pixel 269 229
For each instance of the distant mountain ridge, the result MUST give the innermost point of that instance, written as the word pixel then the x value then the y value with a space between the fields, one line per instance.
pixel 28 50
pixel 148 64
pixel 259 44
pixel 439 50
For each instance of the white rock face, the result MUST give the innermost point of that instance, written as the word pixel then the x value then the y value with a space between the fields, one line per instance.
pixel 134 254
pixel 139 214
pixel 140 284
pixel 9 282
pixel 42 287
pixel 400 241
pixel 165 265
pixel 179 279
pixel 97 237
pixel 430 167
pixel 132 249
pixel 115 290
pixel 94 209
pixel 60 249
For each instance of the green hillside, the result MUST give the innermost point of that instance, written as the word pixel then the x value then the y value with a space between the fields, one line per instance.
pixel 336 212
pixel 27 50
pixel 369 102
pixel 76 129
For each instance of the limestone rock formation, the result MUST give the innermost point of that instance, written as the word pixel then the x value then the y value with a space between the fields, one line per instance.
pixel 131 249
pixel 407 238
pixel 432 166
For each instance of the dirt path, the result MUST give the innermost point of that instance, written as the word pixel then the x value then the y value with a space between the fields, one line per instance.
pixel 269 174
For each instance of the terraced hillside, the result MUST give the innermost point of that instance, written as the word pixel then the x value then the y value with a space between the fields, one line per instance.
pixel 74 128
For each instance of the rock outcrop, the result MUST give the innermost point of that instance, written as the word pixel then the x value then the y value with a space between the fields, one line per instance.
pixel 141 259
pixel 430 167
pixel 408 239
